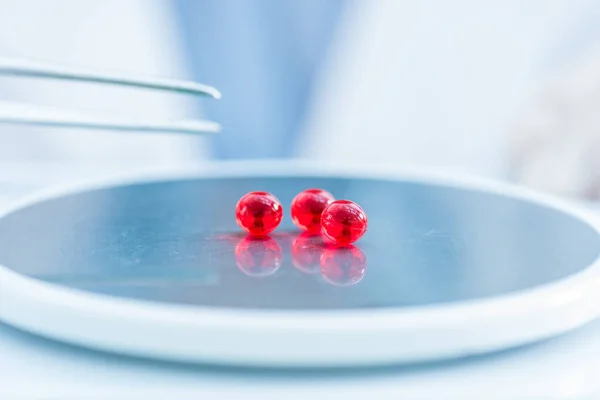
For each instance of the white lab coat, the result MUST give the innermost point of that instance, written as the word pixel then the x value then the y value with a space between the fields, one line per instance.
pixel 438 84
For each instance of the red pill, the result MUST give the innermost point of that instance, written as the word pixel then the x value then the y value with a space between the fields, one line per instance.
pixel 258 213
pixel 307 207
pixel 343 222
pixel 343 266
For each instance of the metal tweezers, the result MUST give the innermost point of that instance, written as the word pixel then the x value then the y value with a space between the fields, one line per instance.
pixel 28 114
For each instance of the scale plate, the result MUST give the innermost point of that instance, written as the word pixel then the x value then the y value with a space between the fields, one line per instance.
pixel 155 266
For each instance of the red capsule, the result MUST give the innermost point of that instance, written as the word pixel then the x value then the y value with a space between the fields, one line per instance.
pixel 258 213
pixel 307 207
pixel 343 222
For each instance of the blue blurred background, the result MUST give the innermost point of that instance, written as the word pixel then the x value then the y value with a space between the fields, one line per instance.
pixel 503 89
pixel 265 57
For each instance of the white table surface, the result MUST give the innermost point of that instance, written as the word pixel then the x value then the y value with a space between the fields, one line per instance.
pixel 31 367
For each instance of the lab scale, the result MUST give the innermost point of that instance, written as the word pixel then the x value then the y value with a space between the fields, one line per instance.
pixel 154 266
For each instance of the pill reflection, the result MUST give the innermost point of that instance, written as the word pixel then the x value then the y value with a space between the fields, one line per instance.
pixel 258 257
pixel 343 266
pixel 306 253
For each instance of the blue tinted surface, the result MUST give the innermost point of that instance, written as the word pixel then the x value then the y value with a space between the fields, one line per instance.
pixel 178 242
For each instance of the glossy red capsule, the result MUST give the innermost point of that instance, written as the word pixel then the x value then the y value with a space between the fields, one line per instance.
pixel 307 207
pixel 343 222
pixel 258 213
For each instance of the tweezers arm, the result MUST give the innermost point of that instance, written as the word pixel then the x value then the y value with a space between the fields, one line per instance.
pixel 26 114
pixel 19 67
